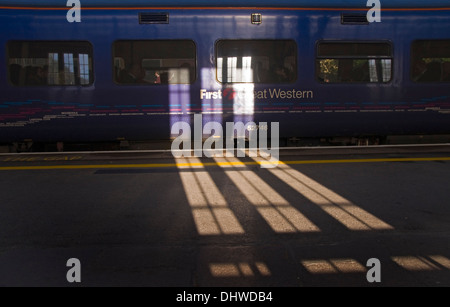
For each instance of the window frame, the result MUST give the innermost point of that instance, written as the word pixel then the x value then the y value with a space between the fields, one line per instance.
pixel 295 55
pixel 145 84
pixel 412 64
pixel 61 54
pixel 354 57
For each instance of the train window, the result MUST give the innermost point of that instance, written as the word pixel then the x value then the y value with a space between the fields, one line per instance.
pixel 46 63
pixel 346 62
pixel 430 61
pixel 256 61
pixel 154 62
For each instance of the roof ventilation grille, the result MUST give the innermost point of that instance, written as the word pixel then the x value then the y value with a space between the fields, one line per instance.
pixel 152 18
pixel 354 19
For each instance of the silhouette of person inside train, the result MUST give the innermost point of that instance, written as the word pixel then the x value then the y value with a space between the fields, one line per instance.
pixel 135 74
pixel 31 75
pixel 280 74
pixel 345 70
pixel 427 72
pixel 36 75
pixel 348 73
pixel 164 77
pixel 432 73
pixel 418 69
pixel 361 73
pixel 157 77
pixel 43 74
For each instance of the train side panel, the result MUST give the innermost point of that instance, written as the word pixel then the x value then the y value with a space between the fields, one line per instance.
pixel 102 108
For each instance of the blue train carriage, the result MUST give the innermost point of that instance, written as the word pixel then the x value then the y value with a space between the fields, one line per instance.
pixel 102 71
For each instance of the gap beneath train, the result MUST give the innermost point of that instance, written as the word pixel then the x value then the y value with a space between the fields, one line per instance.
pixel 28 146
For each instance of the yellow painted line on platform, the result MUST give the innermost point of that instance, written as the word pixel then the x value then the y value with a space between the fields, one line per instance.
pixel 370 160
pixel 203 164
pixel 113 166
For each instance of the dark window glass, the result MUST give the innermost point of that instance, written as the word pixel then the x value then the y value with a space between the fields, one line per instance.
pixel 45 63
pixel 430 61
pixel 367 62
pixel 256 61
pixel 154 62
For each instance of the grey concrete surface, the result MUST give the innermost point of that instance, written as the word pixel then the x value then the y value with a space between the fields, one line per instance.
pixel 159 225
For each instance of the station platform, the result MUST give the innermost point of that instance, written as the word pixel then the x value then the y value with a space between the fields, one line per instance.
pixel 319 218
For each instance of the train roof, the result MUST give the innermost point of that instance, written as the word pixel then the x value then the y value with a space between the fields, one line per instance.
pixel 230 3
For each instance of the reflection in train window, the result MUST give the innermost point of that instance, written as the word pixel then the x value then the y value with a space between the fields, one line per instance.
pixel 256 61
pixel 369 62
pixel 43 63
pixel 430 61
pixel 154 62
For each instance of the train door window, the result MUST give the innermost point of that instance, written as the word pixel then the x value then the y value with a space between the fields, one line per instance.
pixel 256 61
pixel 346 62
pixel 430 61
pixel 154 62
pixel 46 63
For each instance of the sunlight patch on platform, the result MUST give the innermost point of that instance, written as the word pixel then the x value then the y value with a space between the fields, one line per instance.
pixel 278 213
pixel 420 263
pixel 341 209
pixel 333 266
pixel 241 269
pixel 210 210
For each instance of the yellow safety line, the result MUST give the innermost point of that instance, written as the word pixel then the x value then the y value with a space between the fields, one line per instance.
pixel 162 165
